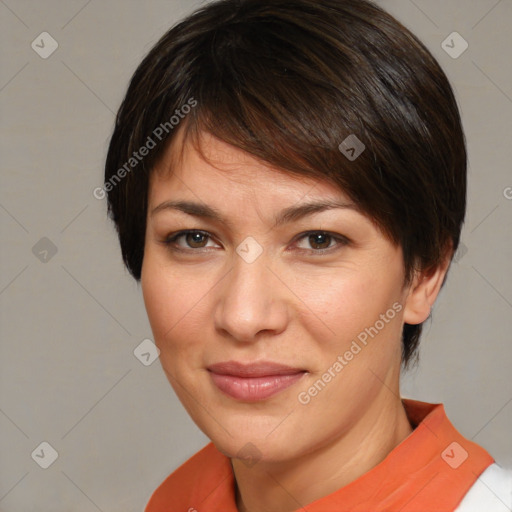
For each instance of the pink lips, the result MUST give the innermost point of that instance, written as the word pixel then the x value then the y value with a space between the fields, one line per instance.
pixel 253 382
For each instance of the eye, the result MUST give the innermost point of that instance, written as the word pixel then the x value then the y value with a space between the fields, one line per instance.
pixel 320 241
pixel 194 239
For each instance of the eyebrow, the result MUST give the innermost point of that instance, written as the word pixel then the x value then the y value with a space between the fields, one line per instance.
pixel 290 214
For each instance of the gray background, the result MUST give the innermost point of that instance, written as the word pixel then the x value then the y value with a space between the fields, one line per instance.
pixel 70 324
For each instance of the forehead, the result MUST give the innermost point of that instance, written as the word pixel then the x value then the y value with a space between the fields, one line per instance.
pixel 210 167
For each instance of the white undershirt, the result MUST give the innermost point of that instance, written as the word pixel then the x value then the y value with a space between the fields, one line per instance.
pixel 492 492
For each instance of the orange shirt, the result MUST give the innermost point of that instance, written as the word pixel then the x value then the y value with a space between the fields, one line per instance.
pixel 431 470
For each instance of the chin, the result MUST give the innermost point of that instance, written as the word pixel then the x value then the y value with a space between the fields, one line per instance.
pixel 254 445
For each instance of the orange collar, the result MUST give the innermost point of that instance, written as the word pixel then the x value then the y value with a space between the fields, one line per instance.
pixel 432 469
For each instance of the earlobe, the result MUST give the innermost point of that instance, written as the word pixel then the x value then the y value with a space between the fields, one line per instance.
pixel 423 292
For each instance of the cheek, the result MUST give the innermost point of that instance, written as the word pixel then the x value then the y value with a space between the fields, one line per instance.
pixel 159 298
pixel 357 315
pixel 174 303
pixel 345 303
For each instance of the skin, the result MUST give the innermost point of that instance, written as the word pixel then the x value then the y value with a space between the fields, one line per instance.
pixel 291 305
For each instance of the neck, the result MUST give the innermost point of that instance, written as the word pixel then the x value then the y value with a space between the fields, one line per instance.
pixel 289 485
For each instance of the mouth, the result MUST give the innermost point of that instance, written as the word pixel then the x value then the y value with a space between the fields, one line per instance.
pixel 253 382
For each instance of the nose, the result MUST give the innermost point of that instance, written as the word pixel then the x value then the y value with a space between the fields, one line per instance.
pixel 251 302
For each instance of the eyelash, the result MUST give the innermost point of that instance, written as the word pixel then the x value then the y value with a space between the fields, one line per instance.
pixel 341 241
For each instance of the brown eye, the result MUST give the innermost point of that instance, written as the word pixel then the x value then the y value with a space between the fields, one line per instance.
pixel 321 242
pixel 193 240
pixel 320 239
pixel 196 239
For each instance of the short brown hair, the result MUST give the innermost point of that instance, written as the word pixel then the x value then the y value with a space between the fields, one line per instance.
pixel 287 81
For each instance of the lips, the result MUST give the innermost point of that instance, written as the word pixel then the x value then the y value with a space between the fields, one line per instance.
pixel 253 382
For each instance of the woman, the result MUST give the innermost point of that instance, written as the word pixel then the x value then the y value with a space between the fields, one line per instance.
pixel 288 181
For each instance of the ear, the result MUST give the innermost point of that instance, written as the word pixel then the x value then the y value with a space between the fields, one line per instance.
pixel 424 290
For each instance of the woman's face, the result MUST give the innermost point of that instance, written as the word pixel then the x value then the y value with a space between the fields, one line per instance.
pixel 269 334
